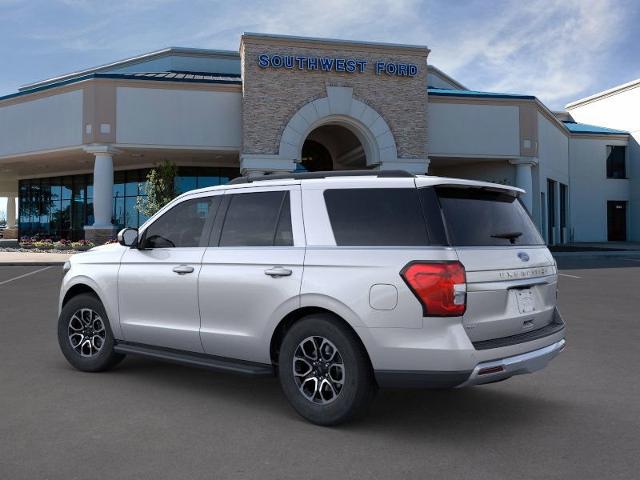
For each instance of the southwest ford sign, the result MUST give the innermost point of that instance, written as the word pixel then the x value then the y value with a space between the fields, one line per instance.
pixel 335 64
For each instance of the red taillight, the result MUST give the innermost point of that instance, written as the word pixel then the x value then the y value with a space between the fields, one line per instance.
pixel 440 286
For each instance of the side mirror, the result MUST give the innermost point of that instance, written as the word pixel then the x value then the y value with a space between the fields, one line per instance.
pixel 128 237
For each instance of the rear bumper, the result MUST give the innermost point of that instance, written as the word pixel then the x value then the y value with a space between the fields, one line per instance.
pixel 452 360
pixel 501 369
pixel 484 372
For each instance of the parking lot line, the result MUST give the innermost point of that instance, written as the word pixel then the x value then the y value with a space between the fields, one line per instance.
pixel 567 275
pixel 25 275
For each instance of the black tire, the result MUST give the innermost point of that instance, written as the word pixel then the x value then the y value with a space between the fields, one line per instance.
pixel 105 358
pixel 359 387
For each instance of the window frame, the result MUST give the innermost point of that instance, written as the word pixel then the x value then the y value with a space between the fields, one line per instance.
pixel 206 228
pixel 295 211
pixel 608 150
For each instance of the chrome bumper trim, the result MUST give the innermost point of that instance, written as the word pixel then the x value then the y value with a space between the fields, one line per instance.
pixel 517 365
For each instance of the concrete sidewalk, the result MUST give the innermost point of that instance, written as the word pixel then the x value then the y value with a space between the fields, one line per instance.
pixel 33 258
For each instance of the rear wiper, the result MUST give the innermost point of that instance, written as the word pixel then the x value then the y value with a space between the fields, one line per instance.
pixel 511 236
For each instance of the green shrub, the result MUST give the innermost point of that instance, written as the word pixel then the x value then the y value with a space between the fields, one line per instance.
pixel 160 188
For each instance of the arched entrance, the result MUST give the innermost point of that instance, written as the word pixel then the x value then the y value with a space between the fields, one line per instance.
pixel 332 147
pixel 337 131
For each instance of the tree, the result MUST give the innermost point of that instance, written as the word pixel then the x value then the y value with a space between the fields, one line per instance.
pixel 160 188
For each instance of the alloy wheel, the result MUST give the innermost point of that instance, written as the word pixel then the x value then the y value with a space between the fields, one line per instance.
pixel 86 332
pixel 318 370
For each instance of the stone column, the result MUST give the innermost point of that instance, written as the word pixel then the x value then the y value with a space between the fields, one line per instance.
pixel 255 165
pixel 102 228
pixel 11 212
pixel 417 166
pixel 11 232
pixel 524 179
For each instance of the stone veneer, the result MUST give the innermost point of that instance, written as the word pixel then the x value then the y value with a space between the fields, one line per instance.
pixel 10 233
pixel 272 96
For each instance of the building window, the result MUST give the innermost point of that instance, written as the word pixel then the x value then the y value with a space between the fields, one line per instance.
pixel 56 207
pixel 128 185
pixel 60 207
pixel 616 161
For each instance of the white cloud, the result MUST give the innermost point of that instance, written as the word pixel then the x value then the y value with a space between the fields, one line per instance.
pixel 553 49
pixel 349 19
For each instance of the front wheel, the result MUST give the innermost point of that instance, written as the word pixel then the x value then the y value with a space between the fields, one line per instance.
pixel 324 371
pixel 84 335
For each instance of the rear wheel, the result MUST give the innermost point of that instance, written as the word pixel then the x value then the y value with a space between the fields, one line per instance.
pixel 84 335
pixel 324 371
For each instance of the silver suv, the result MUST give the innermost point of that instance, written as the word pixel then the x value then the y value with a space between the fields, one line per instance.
pixel 337 282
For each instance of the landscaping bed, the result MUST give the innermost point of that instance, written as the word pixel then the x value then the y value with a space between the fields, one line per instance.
pixel 36 245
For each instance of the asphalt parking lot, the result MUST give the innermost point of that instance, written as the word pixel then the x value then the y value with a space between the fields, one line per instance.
pixel 580 418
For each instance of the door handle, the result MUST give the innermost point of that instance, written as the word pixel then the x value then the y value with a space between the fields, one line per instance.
pixel 278 272
pixel 183 269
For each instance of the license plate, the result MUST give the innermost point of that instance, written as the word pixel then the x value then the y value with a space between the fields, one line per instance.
pixel 526 301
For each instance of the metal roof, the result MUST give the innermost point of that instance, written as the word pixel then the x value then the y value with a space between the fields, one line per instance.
pixel 445 92
pixel 187 77
pixel 575 127
pixel 175 75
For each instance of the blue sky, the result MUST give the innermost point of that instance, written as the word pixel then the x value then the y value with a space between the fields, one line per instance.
pixel 558 50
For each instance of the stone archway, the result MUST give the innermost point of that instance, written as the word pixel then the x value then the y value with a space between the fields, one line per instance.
pixel 339 108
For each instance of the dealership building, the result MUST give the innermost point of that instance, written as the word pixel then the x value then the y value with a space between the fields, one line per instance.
pixel 75 150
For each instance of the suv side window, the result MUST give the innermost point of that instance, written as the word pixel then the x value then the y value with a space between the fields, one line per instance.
pixel 258 219
pixel 376 217
pixel 182 226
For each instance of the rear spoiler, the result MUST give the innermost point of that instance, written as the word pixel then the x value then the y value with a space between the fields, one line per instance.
pixel 426 181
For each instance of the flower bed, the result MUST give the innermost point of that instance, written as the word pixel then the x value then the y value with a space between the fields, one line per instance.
pixel 60 245
pixel 40 245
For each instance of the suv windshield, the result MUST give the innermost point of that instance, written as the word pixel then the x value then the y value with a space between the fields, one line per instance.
pixel 481 217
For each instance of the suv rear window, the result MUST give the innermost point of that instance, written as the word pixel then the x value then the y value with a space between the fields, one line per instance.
pixel 481 217
pixel 376 217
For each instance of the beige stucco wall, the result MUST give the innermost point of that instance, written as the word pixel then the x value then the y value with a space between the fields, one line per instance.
pixel 178 117
pixel 462 129
pixel 48 122
pixel 272 96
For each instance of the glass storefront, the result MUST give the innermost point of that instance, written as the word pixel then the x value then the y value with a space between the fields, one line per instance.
pixel 60 207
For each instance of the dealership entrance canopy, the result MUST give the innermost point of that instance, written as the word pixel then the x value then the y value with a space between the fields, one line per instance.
pixel 75 149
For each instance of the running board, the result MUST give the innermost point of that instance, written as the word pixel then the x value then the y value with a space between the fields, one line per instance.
pixel 200 360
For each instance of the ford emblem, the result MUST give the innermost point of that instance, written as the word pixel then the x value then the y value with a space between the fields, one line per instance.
pixel 523 256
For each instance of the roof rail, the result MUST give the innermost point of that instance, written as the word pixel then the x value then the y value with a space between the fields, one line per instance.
pixel 333 173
